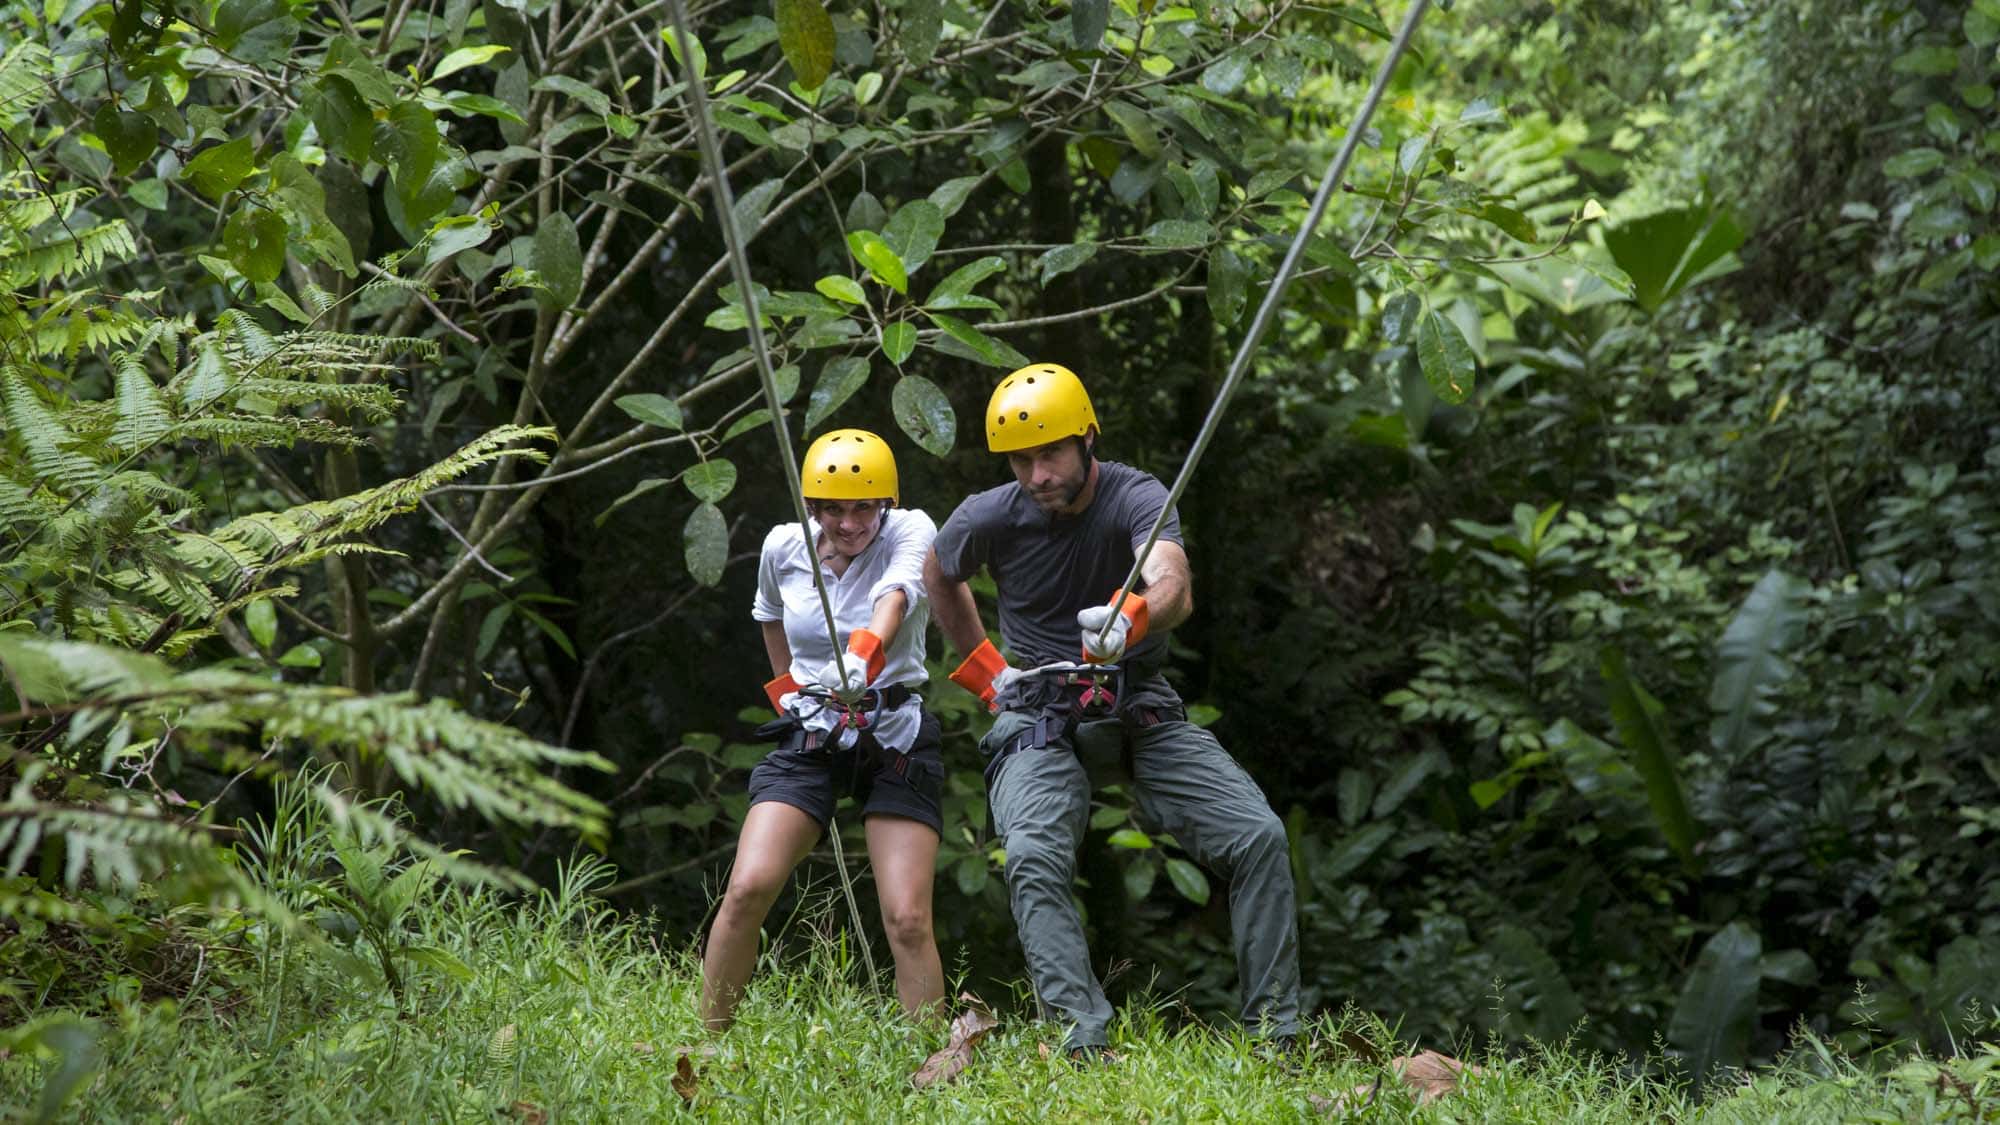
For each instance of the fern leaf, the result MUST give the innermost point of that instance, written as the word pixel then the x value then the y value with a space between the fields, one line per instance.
pixel 142 413
pixel 24 74
pixel 45 438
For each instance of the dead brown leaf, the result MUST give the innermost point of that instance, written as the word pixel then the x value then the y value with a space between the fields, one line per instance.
pixel 528 1113
pixel 1428 1074
pixel 972 1025
pixel 684 1080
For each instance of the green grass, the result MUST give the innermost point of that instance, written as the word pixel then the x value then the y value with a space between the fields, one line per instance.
pixel 574 1012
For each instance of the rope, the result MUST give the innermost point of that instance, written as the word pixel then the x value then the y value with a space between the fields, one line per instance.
pixel 1265 312
pixel 739 267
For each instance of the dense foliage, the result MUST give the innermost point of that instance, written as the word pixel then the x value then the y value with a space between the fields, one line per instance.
pixel 1596 570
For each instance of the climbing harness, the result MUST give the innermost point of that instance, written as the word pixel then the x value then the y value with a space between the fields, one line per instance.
pixel 1081 696
pixel 1262 321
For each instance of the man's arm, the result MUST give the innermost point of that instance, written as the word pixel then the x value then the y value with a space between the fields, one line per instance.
pixel 1169 585
pixel 953 607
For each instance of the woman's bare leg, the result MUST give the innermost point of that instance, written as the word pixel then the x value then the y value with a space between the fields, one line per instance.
pixel 775 837
pixel 903 853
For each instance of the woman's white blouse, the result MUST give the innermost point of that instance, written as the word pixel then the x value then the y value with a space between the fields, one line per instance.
pixel 894 561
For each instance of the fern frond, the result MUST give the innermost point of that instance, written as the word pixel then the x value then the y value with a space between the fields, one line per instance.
pixel 59 253
pixel 257 431
pixel 463 761
pixel 245 334
pixel 24 74
pixel 44 437
pixel 375 400
pixel 142 413
pixel 315 526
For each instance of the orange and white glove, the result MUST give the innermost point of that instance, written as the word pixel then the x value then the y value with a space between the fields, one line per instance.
pixel 776 691
pixel 847 676
pixel 1128 627
pixel 985 674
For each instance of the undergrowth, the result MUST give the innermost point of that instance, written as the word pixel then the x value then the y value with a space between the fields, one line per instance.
pixel 559 1008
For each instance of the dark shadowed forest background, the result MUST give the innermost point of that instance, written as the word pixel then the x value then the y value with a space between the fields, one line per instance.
pixel 1597 570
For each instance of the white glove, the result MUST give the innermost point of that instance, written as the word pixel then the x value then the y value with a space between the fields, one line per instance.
pixel 1003 681
pixel 857 677
pixel 1112 647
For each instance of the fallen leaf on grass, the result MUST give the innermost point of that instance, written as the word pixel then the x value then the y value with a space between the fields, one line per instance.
pixel 684 1083
pixel 972 1025
pixel 528 1113
pixel 641 1047
pixel 1428 1074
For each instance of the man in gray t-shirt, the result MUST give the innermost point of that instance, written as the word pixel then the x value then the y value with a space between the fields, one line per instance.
pixel 1059 542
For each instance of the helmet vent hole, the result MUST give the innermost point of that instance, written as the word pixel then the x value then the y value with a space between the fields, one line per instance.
pixel 1001 420
pixel 1024 415
pixel 854 468
pixel 1031 380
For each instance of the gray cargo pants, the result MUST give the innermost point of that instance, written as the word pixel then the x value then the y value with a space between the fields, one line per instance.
pixel 1186 784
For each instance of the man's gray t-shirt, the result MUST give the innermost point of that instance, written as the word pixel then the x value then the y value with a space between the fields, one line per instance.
pixel 1049 567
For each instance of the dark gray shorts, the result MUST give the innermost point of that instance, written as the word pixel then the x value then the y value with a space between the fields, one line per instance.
pixel 814 782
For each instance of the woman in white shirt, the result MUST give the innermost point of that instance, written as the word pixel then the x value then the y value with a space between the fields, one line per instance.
pixel 863 730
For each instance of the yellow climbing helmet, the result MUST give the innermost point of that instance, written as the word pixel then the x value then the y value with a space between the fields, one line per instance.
pixel 1040 403
pixel 849 465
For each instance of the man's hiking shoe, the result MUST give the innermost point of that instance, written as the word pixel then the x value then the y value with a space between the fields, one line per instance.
pixel 1090 1055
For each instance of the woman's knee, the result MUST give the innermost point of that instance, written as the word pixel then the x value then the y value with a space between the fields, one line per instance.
pixel 908 924
pixel 752 892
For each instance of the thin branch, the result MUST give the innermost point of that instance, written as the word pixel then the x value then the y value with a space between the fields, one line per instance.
pixel 463 542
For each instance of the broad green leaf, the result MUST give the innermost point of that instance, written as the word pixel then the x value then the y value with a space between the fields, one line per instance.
pixel 1188 880
pixel 1087 21
pixel 1404 780
pixel 898 341
pixel 970 874
pixel 1751 660
pixel 1652 757
pixel 682 52
pixel 1926 61
pixel 705 538
pixel 1108 816
pixel 1354 850
pixel 1130 838
pixel 977 345
pixel 489 629
pixel 842 288
pixel 1179 234
pixel 451 235
pixel 1533 990
pixel 1445 356
pixel 1711 1024
pixel 128 137
pixel 1138 127
pixel 559 259
pixel 1062 259
pixel 838 381
pixel 952 194
pixel 216 171
pixel 960 281
pixel 710 480
pixel 923 24
pixel 464 57
pixel 1228 285
pixel 752 206
pixel 652 409
pixel 343 118
pixel 261 618
pixel 300 656
pixel 1399 315
pixel 1912 162
pixel 805 35
pixel 1139 876
pixel 465 103
pixel 1357 792
pixel 880 259
pixel 1667 252
pixel 924 413
pixel 913 233
pixel 743 425
pixel 1514 223
pixel 255 31
pixel 1227 74
pixel 548 629
pixel 867 87
pixel 593 99
pixel 636 491
pixel 255 240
